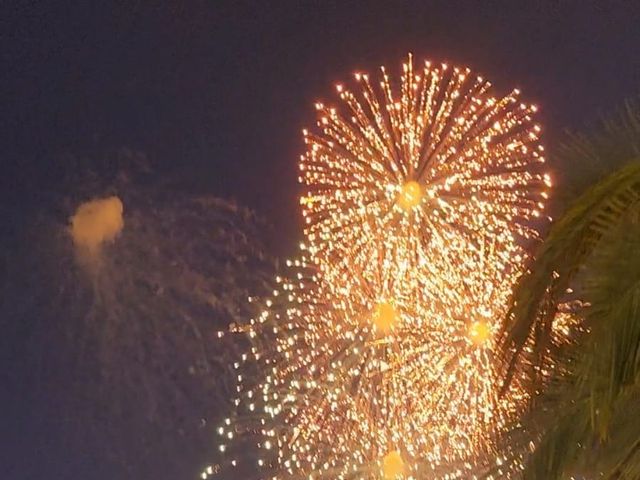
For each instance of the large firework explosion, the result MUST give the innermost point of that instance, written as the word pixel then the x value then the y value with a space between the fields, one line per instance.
pixel 381 362
pixel 406 170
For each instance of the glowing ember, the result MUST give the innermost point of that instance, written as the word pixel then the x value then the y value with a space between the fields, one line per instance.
pixel 393 466
pixel 384 317
pixel 479 332
pixel 410 195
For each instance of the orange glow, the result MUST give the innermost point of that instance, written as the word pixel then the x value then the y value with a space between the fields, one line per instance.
pixel 393 466
pixel 410 195
pixel 479 332
pixel 385 317
pixel 96 222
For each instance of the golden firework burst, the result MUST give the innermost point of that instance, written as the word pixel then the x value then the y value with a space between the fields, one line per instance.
pixel 406 166
pixel 377 355
pixel 337 393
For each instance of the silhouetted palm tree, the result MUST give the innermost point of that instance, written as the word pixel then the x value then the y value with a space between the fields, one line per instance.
pixel 585 420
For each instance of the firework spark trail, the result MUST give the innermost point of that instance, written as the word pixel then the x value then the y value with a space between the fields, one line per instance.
pixel 420 198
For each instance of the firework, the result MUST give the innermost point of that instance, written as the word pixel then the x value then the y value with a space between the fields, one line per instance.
pixel 381 362
pixel 351 384
pixel 406 170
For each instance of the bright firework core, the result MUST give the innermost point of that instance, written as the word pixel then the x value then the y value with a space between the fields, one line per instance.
pixel 479 332
pixel 385 317
pixel 393 466
pixel 410 195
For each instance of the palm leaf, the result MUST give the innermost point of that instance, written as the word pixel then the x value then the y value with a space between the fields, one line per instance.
pixel 570 243
pixel 587 157
pixel 584 422
pixel 614 142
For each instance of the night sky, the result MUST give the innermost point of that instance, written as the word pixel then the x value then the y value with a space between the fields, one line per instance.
pixel 216 93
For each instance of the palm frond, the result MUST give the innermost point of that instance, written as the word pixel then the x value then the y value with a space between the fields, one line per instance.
pixel 612 142
pixel 583 423
pixel 613 291
pixel 569 245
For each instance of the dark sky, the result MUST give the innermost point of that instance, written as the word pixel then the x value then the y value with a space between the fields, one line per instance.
pixel 216 92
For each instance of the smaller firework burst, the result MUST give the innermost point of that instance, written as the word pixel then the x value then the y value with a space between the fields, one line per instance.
pixel 349 386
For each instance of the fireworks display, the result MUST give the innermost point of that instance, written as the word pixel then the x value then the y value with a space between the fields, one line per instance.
pixel 404 171
pixel 375 357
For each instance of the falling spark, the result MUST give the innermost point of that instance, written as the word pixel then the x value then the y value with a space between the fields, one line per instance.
pixel 337 390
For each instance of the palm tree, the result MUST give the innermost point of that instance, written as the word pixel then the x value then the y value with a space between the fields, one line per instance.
pixel 585 418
